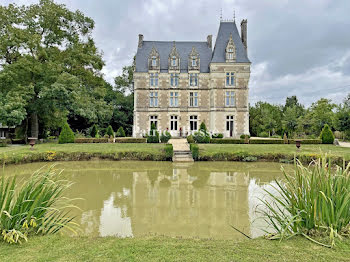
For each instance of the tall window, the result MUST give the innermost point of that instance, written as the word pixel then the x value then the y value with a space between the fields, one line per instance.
pixel 230 79
pixel 153 99
pixel 173 61
pixel 230 98
pixel 153 79
pixel 194 61
pixel 193 123
pixel 174 79
pixel 153 120
pixel 154 61
pixel 174 99
pixel 193 99
pixel 173 123
pixel 193 79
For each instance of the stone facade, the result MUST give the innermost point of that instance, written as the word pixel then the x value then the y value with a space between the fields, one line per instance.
pixel 178 85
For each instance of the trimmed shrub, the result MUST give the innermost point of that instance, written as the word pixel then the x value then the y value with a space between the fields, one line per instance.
pixel 190 139
pixel 169 152
pixel 130 140
pixel 165 137
pixel 264 134
pixel 327 136
pixel 266 141
pixel 202 136
pixel 120 132
pixel 195 151
pixel 94 131
pixel 217 136
pixel 66 135
pixel 244 136
pixel 226 141
pixel 90 140
pixel 153 137
pixel 285 138
pixel 110 131
pixel 306 141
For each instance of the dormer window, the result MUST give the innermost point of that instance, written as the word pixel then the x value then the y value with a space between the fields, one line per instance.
pixel 193 60
pixel 153 60
pixel 230 50
pixel 174 59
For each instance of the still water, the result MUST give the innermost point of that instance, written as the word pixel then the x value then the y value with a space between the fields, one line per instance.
pixel 131 198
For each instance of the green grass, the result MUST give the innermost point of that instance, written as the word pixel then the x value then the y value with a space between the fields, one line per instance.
pixel 61 248
pixel 270 152
pixel 58 152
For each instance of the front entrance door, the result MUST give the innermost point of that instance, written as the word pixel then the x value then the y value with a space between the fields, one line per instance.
pixel 174 125
pixel 229 125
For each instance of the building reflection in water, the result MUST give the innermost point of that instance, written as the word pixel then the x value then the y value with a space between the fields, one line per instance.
pixel 187 200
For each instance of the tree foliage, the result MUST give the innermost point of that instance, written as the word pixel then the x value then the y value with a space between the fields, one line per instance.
pixel 327 136
pixel 66 135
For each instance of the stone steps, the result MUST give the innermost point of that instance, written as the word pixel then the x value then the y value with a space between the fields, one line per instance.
pixel 182 152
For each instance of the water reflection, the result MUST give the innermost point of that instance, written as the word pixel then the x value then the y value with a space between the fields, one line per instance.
pixel 202 200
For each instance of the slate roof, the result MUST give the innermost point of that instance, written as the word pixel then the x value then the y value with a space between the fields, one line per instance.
pixel 184 49
pixel 225 29
pixel 164 48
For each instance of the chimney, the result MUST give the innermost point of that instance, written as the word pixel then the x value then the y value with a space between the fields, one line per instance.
pixel 244 33
pixel 140 40
pixel 209 41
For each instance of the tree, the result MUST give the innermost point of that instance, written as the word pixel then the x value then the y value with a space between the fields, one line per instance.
pixel 327 136
pixel 110 131
pixel 291 102
pixel 66 135
pixel 290 120
pixel 321 114
pixel 120 132
pixel 94 131
pixel 50 66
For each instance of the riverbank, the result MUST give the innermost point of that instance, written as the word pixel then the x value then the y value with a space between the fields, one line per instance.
pixel 270 152
pixel 79 152
pixel 62 248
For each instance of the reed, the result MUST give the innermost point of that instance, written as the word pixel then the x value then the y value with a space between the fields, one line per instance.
pixel 313 202
pixel 36 206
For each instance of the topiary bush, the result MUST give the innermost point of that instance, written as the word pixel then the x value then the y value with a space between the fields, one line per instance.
pixel 218 135
pixel 94 131
pixel 244 136
pixel 153 137
pixel 66 135
pixel 195 151
pixel 327 136
pixel 110 131
pixel 120 132
pixel 190 139
pixel 165 137
pixel 285 138
pixel 202 136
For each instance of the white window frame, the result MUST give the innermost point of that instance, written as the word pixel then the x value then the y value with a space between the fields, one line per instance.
pixel 174 99
pixel 194 79
pixel 174 61
pixel 153 79
pixel 194 61
pixel 153 99
pixel 230 98
pixel 193 123
pixel 193 99
pixel 174 79
pixel 153 119
pixel 230 79
pixel 174 119
pixel 154 61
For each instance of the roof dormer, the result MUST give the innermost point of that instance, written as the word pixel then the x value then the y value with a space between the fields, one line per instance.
pixel 230 50
pixel 193 60
pixel 153 60
pixel 174 59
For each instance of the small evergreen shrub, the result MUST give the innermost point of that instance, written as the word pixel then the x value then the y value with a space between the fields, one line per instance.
pixel 120 132
pixel 244 136
pixel 327 136
pixel 264 134
pixel 94 131
pixel 195 151
pixel 66 135
pixel 285 139
pixel 165 137
pixel 110 131
pixel 202 136
pixel 169 152
pixel 190 139
pixel 153 137
pixel 218 135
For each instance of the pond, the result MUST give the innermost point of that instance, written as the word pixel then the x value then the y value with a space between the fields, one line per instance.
pixel 190 200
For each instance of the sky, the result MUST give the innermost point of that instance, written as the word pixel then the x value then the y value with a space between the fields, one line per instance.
pixel 297 47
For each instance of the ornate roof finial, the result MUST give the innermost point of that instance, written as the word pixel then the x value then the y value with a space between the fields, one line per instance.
pixel 234 15
pixel 221 14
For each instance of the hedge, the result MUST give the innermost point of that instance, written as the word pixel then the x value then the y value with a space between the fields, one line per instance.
pixel 226 141
pixel 91 140
pixel 130 140
pixel 266 141
pixel 195 151
pixel 306 141
pixel 169 151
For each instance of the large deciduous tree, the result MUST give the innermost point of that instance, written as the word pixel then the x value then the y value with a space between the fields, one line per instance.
pixel 50 67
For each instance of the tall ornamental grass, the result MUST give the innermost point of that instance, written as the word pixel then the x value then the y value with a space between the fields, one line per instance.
pixel 313 202
pixel 37 207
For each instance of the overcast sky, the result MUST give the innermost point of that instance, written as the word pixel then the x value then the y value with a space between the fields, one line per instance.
pixel 296 47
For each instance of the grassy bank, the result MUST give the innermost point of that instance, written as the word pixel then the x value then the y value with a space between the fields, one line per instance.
pixel 60 248
pixel 76 152
pixel 239 152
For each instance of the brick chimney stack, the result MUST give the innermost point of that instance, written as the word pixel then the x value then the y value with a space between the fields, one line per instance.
pixel 209 40
pixel 244 33
pixel 140 40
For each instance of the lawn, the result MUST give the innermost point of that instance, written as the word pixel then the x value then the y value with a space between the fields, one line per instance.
pixel 273 152
pixel 62 248
pixel 117 151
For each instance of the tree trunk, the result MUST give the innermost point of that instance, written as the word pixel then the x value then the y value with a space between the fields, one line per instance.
pixel 34 125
